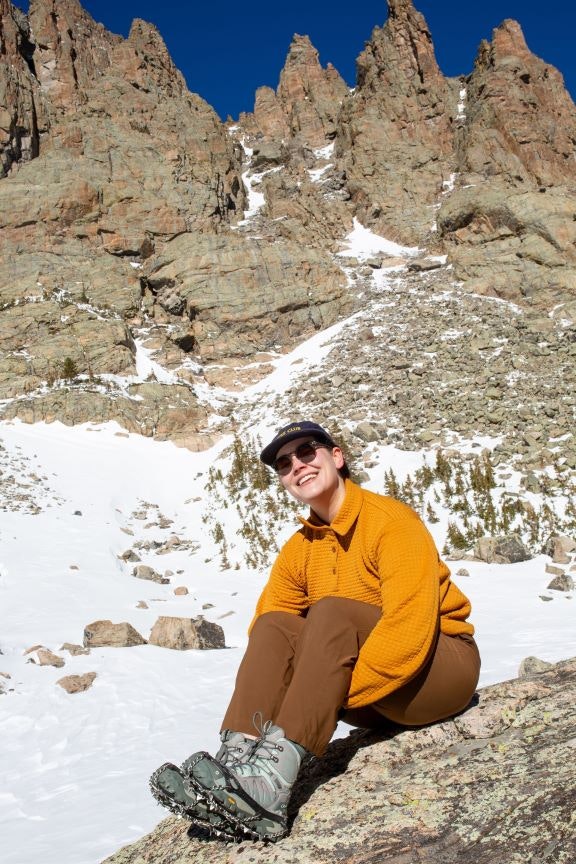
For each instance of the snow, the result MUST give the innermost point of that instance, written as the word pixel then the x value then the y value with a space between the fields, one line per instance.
pixel 362 243
pixel 324 152
pixel 75 767
pixel 461 107
pixel 146 366
pixel 316 174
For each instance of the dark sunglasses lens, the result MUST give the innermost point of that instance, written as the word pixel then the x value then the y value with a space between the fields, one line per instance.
pixel 283 464
pixel 305 453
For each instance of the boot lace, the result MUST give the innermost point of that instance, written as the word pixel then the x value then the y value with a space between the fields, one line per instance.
pixel 262 749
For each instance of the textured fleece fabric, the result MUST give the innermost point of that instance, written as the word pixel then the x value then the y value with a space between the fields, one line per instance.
pixel 377 550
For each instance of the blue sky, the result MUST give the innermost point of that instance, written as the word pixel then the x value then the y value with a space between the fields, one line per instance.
pixel 227 49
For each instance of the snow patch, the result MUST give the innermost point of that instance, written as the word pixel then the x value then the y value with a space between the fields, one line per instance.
pixel 362 243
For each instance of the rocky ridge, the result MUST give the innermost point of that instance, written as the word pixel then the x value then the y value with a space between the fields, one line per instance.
pixel 493 784
pixel 122 255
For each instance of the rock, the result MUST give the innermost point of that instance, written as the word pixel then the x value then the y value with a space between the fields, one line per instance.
pixel 73 649
pixel 399 90
pixel 101 634
pixel 142 571
pixel 501 550
pixel 228 282
pixel 558 548
pixel 77 683
pixel 420 265
pixel 533 666
pixel 553 571
pixel 129 555
pixel 366 432
pixel 505 101
pixel 181 591
pixel 48 658
pixel 417 778
pixel 4 676
pixel 183 634
pixel 562 583
pixel 306 104
pixel 43 656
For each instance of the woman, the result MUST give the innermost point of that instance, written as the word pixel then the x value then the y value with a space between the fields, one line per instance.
pixel 358 621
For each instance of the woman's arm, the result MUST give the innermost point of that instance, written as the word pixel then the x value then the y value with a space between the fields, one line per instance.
pixel 285 590
pixel 410 572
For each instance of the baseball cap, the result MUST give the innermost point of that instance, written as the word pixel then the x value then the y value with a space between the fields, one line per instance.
pixel 297 429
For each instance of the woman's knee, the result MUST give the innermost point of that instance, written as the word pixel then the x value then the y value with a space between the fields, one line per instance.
pixel 341 610
pixel 284 624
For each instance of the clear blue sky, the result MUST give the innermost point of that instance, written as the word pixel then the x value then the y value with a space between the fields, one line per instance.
pixel 226 49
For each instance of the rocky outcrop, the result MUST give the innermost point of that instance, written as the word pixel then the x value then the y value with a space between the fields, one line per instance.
pixel 305 107
pixel 101 634
pixel 395 136
pixel 492 785
pixel 129 161
pixel 509 226
pixel 520 120
pixel 236 296
pixel 23 110
pixel 184 634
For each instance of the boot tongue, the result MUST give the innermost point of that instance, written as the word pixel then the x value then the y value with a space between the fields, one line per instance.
pixel 273 733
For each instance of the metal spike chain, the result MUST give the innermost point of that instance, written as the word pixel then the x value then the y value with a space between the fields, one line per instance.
pixel 240 825
pixel 182 812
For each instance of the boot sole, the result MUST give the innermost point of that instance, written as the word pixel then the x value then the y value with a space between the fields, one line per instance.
pixel 217 826
pixel 259 824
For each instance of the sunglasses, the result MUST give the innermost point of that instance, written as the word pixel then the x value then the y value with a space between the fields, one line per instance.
pixel 304 453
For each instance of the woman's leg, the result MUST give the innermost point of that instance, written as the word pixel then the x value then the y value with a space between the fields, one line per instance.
pixel 442 689
pixel 265 671
pixel 327 649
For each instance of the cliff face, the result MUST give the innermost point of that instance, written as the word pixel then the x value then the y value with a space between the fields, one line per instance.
pixel 495 784
pixel 107 158
pixel 507 225
pixel 396 132
pixel 131 217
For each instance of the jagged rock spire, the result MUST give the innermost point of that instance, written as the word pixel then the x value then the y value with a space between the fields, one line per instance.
pixel 396 135
pixel 306 104
pixel 405 45
pixel 521 120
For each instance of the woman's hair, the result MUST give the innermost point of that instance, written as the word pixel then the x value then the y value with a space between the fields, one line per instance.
pixel 344 471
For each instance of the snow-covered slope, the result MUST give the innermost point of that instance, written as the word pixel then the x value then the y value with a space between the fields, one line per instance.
pixel 75 767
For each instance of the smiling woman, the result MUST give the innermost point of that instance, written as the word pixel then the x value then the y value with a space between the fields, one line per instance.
pixel 359 621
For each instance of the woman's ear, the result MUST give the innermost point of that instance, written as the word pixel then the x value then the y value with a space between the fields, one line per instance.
pixel 338 457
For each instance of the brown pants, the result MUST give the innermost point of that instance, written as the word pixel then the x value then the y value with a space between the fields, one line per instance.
pixel 296 671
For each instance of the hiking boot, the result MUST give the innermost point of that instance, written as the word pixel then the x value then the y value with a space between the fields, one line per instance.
pixel 172 790
pixel 235 747
pixel 253 792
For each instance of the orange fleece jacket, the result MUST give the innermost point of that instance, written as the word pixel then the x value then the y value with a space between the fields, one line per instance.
pixel 376 550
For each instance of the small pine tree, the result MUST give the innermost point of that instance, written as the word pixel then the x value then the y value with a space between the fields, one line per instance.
pixel 455 537
pixel 69 369
pixel 431 514
pixel 442 468
pixel 391 485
